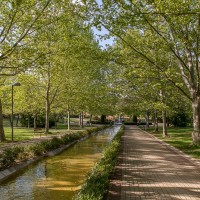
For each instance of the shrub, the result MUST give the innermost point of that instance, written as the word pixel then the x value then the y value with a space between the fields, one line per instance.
pixel 9 155
pixel 17 150
pixel 46 145
pixel 26 154
pixel 65 139
pixel 7 158
pixel 40 121
pixel 97 182
pixel 130 123
pixel 99 122
pixel 180 119
pixel 37 149
pixel 134 119
pixel 55 142
pixel 103 119
pixel 52 144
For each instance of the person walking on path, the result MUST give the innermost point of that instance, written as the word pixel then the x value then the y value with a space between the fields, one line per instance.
pixel 149 169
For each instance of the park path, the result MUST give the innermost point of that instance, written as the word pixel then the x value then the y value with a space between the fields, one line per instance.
pixel 150 169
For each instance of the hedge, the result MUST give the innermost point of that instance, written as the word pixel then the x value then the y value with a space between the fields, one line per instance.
pixel 97 182
pixel 9 156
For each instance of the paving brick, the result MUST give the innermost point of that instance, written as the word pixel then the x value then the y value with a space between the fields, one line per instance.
pixel 150 169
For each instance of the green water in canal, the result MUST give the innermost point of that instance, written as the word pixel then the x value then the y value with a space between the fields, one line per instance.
pixel 61 176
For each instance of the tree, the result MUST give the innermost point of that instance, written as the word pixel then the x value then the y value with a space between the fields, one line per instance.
pixel 66 67
pixel 175 25
pixel 19 21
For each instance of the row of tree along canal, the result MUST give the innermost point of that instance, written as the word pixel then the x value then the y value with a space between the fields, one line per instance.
pixel 61 176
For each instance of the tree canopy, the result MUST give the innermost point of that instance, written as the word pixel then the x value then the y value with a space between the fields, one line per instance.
pixel 153 64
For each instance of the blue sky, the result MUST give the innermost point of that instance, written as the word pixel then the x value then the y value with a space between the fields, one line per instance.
pixel 102 42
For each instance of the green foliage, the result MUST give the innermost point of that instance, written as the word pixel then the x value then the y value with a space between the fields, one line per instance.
pixel 181 139
pixel 147 49
pixel 180 119
pixel 66 139
pixel 52 144
pixel 40 121
pixel 134 119
pixel 100 122
pixel 103 119
pixel 97 182
pixel 9 156
pixel 37 149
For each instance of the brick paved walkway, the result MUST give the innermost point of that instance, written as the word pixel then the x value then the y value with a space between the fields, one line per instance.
pixel 148 169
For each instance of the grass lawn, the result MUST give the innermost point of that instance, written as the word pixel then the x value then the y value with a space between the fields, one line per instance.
pixel 21 133
pixel 180 138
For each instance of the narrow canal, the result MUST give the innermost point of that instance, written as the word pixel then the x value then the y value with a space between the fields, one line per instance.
pixel 58 177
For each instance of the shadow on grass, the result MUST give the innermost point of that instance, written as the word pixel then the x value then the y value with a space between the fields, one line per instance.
pixel 180 138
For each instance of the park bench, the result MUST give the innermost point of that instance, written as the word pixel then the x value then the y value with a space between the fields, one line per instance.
pixel 38 130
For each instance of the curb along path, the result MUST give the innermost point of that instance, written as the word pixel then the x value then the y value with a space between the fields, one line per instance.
pixel 148 169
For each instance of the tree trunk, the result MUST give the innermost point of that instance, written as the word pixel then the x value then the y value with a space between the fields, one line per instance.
pixel 164 115
pixel 119 118
pixel 55 120
pixel 68 120
pixel 10 120
pixel 17 121
pixel 103 119
pixel 156 121
pixel 90 120
pixel 164 118
pixel 47 106
pixel 82 119
pixel 2 134
pixel 34 121
pixel 147 119
pixel 28 121
pixel 63 118
pixel 47 118
pixel 196 121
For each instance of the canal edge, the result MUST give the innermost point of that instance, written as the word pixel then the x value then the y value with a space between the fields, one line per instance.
pixel 5 174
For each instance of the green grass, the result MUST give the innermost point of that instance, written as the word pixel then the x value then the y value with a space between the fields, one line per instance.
pixel 180 138
pixel 22 133
pixel 10 155
pixel 97 183
pixel 19 133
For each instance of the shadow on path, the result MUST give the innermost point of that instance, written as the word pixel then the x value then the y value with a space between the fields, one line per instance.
pixel 147 169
